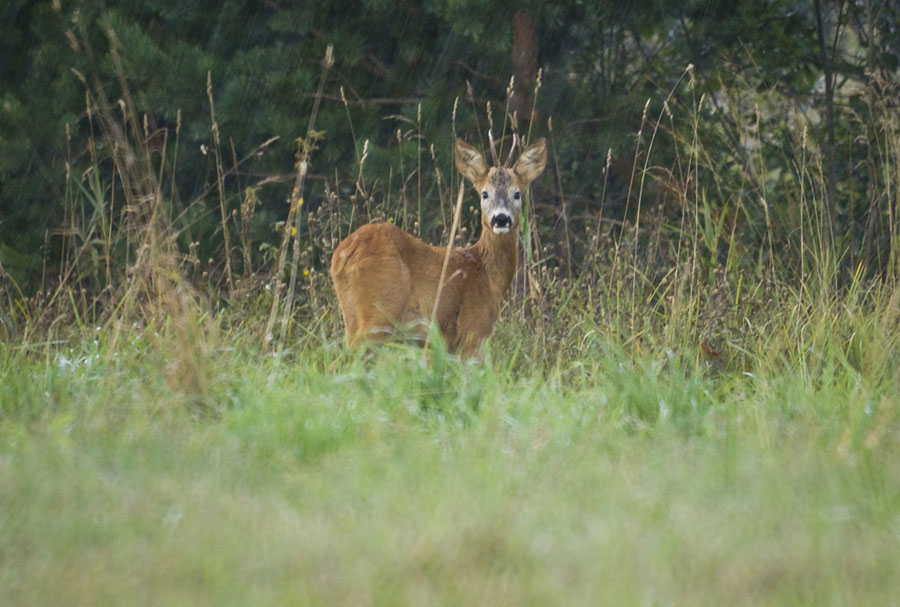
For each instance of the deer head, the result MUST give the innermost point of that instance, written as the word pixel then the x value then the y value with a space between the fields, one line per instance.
pixel 500 187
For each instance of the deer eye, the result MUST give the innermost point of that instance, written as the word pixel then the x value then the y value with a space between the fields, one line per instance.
pixel 517 195
pixel 484 194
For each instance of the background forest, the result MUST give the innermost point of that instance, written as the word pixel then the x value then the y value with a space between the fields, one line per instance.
pixel 691 396
pixel 780 93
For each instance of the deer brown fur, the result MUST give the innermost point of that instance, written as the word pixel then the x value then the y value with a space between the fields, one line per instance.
pixel 386 278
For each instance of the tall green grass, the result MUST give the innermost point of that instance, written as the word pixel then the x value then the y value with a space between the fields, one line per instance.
pixel 601 477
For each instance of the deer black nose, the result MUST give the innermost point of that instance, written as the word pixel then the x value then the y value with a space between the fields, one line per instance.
pixel 501 220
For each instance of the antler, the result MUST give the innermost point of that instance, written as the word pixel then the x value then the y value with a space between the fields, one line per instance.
pixel 511 150
pixel 493 148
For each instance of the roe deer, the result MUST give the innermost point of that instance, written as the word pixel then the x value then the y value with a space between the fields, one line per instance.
pixel 385 278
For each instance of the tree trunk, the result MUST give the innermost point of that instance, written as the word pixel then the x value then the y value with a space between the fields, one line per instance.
pixel 524 60
pixel 826 57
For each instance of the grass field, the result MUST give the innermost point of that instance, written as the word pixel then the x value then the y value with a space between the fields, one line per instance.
pixel 696 403
pixel 138 466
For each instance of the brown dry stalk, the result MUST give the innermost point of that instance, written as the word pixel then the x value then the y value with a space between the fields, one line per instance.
pixel 293 219
pixel 220 184
pixel 453 227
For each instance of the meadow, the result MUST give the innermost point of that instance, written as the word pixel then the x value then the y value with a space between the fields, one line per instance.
pixel 165 470
pixel 680 417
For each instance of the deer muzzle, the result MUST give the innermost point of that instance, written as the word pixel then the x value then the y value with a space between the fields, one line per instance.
pixel 501 222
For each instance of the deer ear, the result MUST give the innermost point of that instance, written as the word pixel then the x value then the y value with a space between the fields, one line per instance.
pixel 469 162
pixel 532 162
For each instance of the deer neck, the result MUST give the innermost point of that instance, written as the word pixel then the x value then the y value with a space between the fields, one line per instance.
pixel 499 255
